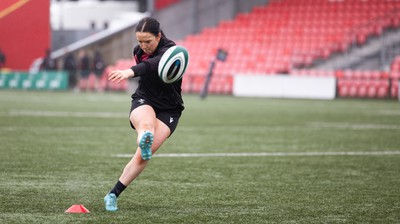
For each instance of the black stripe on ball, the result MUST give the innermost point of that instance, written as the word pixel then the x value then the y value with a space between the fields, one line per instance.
pixel 173 70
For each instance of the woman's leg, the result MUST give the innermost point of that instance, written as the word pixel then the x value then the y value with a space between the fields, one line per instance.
pixel 143 120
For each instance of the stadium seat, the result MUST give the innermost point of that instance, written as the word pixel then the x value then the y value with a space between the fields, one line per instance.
pixel 372 89
pixel 353 88
pixel 186 84
pixel 343 88
pixel 383 89
pixel 363 87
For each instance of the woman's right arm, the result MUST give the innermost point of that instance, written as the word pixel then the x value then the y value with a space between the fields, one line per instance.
pixel 119 75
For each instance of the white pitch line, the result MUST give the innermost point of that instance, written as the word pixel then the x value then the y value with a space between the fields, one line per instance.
pixel 271 154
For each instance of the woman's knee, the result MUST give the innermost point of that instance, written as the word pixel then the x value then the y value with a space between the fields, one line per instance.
pixel 160 136
pixel 143 118
pixel 144 125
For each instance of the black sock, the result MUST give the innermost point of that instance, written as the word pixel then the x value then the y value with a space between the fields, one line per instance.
pixel 118 188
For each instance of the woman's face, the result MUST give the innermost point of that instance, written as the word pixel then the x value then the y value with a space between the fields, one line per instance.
pixel 147 41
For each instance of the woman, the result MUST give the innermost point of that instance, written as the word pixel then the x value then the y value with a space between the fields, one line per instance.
pixel 156 106
pixel 84 70
pixel 98 68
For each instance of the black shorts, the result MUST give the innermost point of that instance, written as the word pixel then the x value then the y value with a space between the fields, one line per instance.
pixel 168 117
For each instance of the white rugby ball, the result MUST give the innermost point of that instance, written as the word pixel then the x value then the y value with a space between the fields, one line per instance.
pixel 173 64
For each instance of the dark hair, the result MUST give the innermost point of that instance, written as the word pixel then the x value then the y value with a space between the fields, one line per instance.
pixel 149 25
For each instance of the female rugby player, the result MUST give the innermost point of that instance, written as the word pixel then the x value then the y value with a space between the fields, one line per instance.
pixel 156 106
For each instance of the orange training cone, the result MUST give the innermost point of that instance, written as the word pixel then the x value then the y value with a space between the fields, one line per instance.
pixel 77 209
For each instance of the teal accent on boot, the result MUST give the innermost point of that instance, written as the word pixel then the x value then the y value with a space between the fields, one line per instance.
pixel 145 145
pixel 110 201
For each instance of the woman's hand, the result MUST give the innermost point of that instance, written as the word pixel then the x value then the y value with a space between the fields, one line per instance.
pixel 119 75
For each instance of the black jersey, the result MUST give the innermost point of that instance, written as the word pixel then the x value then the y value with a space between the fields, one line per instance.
pixel 163 96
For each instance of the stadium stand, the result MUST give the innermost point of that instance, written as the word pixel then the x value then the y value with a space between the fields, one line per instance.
pixel 284 36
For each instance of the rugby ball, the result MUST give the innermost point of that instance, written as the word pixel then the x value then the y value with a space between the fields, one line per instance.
pixel 173 64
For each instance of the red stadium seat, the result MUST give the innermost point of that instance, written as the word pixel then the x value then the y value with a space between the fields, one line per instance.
pixel 186 84
pixel 362 88
pixel 343 88
pixel 372 89
pixel 353 88
pixel 383 89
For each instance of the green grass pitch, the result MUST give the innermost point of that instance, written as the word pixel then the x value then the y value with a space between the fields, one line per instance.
pixel 248 161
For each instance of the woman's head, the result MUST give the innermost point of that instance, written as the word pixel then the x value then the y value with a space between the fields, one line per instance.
pixel 148 34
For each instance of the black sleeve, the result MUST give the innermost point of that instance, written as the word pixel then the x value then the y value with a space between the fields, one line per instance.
pixel 148 66
pixel 139 69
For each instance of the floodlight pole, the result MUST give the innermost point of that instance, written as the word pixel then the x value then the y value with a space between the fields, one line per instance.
pixel 221 56
pixel 204 91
